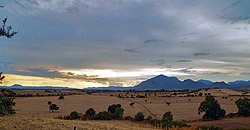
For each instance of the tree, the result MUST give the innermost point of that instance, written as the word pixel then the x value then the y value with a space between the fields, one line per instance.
pixel 243 106
pixel 132 104
pixel 168 116
pixel 49 103
pixel 212 109
pixel 1 77
pixel 104 115
pixel 6 31
pixel 90 112
pixel 53 107
pixel 168 103
pixel 61 97
pixel 118 113
pixel 139 116
pixel 6 100
pixel 74 115
pixel 112 108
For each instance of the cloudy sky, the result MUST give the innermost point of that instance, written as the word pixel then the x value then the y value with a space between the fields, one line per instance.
pixel 83 43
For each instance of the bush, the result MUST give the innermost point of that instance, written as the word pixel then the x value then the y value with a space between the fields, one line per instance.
pixel 128 118
pixel 60 97
pixel 49 103
pixel 74 115
pixel 112 108
pixel 168 116
pixel 118 113
pixel 104 116
pixel 90 112
pixel 180 124
pixel 132 104
pixel 53 107
pixel 139 116
pixel 243 106
pixel 209 128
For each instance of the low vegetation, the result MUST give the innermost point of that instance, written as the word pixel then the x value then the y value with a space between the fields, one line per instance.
pixel 53 107
pixel 243 106
pixel 6 100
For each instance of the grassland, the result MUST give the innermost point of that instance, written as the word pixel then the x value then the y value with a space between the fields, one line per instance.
pixel 183 108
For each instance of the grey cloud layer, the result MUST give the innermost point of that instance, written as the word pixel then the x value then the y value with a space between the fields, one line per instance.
pixel 128 34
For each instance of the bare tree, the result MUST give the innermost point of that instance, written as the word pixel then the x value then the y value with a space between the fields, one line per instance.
pixel 6 31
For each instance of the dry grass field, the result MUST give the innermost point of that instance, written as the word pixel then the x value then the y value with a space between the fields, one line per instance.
pixel 79 103
pixel 183 108
pixel 19 122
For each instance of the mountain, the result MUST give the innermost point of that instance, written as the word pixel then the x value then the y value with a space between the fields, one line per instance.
pixel 172 83
pixel 18 86
pixel 205 81
pixel 190 84
pixel 239 84
pixel 219 85
pixel 110 88
pixel 159 82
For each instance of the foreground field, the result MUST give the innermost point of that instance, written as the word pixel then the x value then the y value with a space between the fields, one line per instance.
pixel 182 107
pixel 232 123
pixel 41 123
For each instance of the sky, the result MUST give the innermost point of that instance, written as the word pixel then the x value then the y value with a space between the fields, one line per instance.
pixel 92 43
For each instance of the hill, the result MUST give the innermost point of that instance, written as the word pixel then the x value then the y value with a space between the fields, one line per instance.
pixel 173 83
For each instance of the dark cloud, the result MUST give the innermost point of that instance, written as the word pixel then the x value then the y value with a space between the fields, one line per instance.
pixel 152 40
pixel 184 61
pixel 160 62
pixel 232 5
pixel 201 53
pixel 245 73
pixel 131 50
pixel 20 4
pixel 187 70
pixel 41 72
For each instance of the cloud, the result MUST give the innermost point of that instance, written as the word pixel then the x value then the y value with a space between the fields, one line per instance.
pixel 245 73
pixel 201 53
pixel 152 40
pixel 131 50
pixel 184 61
pixel 232 5
pixel 187 70
pixel 160 62
pixel 90 34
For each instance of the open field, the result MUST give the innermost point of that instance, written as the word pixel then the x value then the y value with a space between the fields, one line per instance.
pixel 183 108
pixel 41 123
pixel 230 123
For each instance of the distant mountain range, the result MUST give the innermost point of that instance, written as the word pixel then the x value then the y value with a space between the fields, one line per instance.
pixel 156 83
pixel 161 82
pixel 18 86
pixel 173 83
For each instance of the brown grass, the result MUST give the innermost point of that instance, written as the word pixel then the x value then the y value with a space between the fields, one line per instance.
pixel 181 107
pixel 41 123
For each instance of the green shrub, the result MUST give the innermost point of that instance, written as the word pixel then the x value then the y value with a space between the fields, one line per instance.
pixel 180 124
pixel 118 113
pixel 74 115
pixel 90 112
pixel 112 108
pixel 139 116
pixel 209 128
pixel 61 97
pixel 168 116
pixel 243 106
pixel 53 107
pixel 104 116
